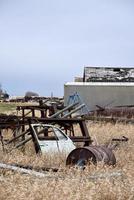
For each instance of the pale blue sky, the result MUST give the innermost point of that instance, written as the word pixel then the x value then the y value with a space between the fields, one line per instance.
pixel 45 43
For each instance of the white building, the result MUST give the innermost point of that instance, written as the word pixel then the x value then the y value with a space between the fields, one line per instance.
pixel 104 87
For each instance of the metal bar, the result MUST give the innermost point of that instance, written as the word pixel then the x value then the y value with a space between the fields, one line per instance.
pixel 68 120
pixel 37 168
pixel 32 107
pixel 23 116
pixel 28 139
pixel 63 110
pixel 73 111
pixel 1 138
pixel 85 132
pixel 33 112
pixel 80 139
pixel 21 170
pixel 23 142
pixel 17 136
pixel 27 113
pixel 94 177
pixel 123 139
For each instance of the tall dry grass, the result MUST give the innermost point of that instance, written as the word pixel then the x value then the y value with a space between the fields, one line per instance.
pixel 73 184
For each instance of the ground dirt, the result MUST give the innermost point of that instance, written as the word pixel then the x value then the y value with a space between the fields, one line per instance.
pixel 73 184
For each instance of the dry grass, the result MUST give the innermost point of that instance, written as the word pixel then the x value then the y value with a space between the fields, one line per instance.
pixel 74 184
pixel 10 108
pixel 7 107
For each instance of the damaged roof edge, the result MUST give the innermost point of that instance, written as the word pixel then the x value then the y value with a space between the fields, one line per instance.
pixel 108 74
pixel 100 83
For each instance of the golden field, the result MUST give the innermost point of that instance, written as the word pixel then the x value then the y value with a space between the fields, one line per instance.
pixel 74 184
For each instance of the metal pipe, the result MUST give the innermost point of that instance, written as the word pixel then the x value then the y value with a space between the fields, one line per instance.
pixel 22 170
pixel 23 142
pixel 73 111
pixel 15 138
pixel 63 110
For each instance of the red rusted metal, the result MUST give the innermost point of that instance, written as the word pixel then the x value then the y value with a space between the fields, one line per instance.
pixel 91 154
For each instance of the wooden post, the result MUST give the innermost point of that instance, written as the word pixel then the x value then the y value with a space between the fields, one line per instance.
pixel 1 138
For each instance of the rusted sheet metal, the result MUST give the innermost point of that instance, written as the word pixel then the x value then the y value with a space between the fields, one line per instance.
pixel 91 154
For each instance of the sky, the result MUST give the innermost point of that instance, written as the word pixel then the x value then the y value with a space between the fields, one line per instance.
pixel 44 44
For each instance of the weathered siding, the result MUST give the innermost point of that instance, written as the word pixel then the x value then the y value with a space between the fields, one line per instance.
pixel 112 94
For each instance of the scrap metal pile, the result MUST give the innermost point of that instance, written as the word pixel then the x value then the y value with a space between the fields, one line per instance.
pixel 47 113
pixel 117 113
pixel 52 128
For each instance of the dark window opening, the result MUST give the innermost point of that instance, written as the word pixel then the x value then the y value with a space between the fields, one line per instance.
pixel 117 70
